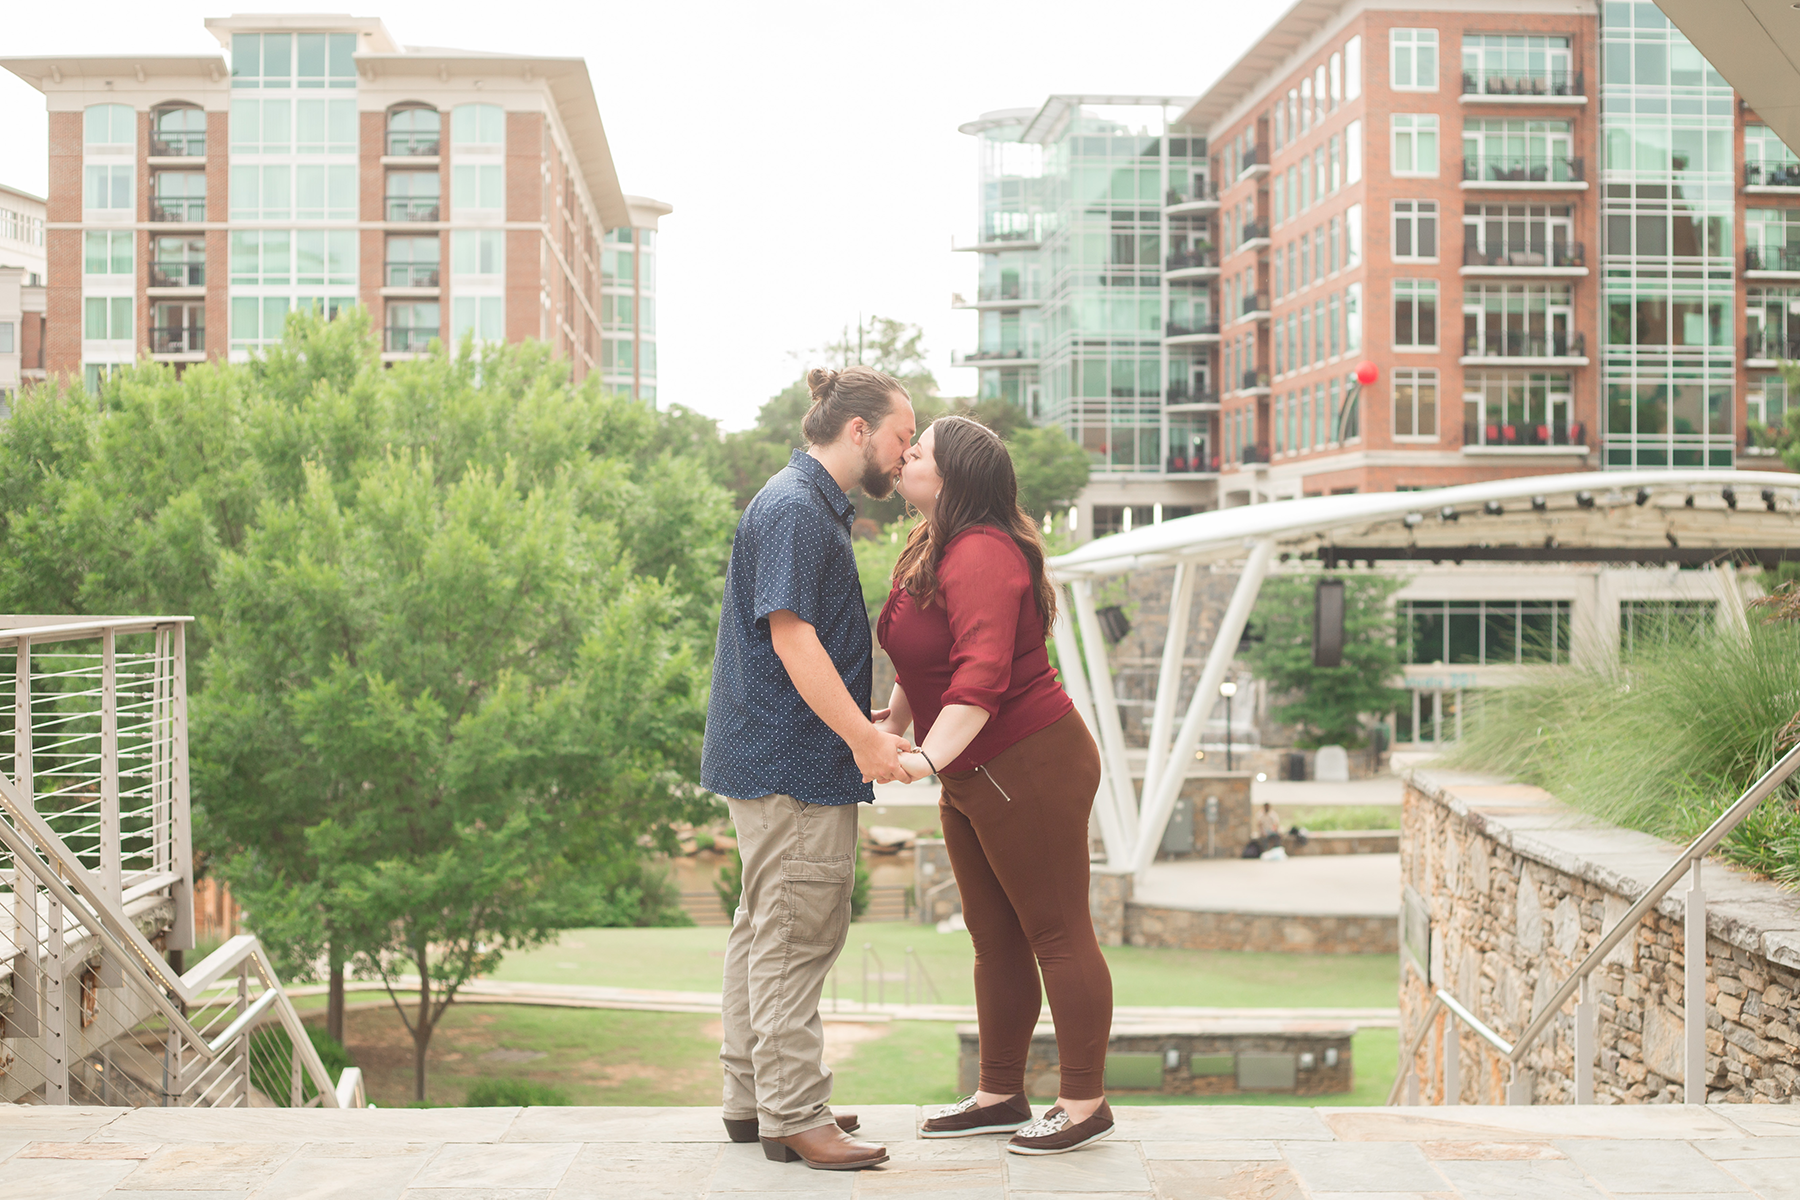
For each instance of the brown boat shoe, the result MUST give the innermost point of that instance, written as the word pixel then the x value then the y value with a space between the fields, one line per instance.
pixel 1056 1133
pixel 743 1129
pixel 965 1118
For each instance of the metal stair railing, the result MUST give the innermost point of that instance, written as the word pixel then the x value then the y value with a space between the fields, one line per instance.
pixel 1519 1083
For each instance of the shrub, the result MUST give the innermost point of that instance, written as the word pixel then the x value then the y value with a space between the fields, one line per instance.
pixel 514 1093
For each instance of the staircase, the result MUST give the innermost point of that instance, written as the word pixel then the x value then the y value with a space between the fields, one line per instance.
pixel 96 892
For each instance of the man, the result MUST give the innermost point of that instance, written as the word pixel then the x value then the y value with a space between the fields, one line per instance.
pixel 790 746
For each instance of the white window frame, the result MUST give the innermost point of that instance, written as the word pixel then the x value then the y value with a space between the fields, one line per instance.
pixel 1411 214
pixel 1417 290
pixel 1415 127
pixel 1415 376
pixel 1353 67
pixel 1411 46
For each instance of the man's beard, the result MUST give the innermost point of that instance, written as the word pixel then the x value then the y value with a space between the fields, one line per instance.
pixel 875 483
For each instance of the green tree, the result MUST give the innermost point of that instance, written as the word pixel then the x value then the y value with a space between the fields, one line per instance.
pixel 1328 704
pixel 1051 468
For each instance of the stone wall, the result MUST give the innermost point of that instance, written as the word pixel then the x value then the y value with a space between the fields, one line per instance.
pixel 1507 889
pixel 1282 933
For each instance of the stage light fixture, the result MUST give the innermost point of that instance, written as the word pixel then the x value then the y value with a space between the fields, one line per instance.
pixel 1539 504
pixel 1413 519
pixel 1493 508
pixel 1730 495
pixel 1584 499
pixel 1448 513
pixel 1643 497
pixel 1768 499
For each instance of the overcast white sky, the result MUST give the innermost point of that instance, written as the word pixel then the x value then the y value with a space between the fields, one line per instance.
pixel 809 148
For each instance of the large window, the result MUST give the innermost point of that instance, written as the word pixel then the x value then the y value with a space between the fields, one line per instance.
pixel 481 186
pixel 1520 151
pixel 1646 624
pixel 1767 160
pixel 1519 320
pixel 178 132
pixel 325 256
pixel 180 196
pixel 109 125
pixel 107 187
pixel 478 124
pixel 1772 236
pixel 1415 144
pixel 477 252
pixel 413 195
pixel 324 193
pixel 1519 235
pixel 1415 314
pixel 107 253
pixel 1483 632
pixel 1771 323
pixel 480 317
pixel 1518 408
pixel 1682 318
pixel 293 60
pixel 264 193
pixel 413 261
pixel 177 262
pixel 257 320
pixel 178 327
pixel 106 318
pixel 1412 60
pixel 1766 401
pixel 1518 65
pixel 1415 231
pixel 411 326
pixel 413 131
pixel 262 257
pixel 1415 404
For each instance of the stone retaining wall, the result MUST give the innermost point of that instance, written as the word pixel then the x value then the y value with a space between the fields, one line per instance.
pixel 1121 921
pixel 1348 841
pixel 1507 889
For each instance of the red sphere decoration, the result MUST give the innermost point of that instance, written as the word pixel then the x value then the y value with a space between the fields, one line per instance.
pixel 1366 373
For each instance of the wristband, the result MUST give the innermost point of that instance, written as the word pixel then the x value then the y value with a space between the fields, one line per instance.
pixel 928 761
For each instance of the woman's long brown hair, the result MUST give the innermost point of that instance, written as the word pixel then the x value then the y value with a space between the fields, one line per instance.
pixel 980 488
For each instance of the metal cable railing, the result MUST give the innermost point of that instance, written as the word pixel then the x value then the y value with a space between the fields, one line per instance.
pixel 1518 1088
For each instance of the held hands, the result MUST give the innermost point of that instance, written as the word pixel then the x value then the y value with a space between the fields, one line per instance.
pixel 916 766
pixel 878 757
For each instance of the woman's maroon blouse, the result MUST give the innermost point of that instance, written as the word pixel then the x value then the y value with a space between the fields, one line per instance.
pixel 980 642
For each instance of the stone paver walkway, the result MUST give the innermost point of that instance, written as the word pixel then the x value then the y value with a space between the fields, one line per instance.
pixel 1159 1153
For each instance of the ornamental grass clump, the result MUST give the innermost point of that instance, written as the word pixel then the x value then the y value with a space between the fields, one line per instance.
pixel 1664 739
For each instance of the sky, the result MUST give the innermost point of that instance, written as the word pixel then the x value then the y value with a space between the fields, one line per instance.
pixel 809 149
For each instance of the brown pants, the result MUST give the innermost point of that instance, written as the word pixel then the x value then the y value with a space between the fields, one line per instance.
pixel 1022 867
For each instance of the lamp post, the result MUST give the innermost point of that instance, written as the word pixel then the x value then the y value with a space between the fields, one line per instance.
pixel 1228 689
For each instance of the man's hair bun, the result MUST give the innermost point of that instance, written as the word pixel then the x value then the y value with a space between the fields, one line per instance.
pixel 820 381
pixel 840 396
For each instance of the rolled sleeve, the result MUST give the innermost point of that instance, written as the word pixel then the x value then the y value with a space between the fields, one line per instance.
pixel 982 585
pixel 790 564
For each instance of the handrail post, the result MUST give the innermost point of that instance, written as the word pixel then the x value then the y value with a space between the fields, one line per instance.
pixel 111 861
pixel 1587 1038
pixel 1452 1061
pixel 181 834
pixel 56 1060
pixel 243 1040
pixel 1694 972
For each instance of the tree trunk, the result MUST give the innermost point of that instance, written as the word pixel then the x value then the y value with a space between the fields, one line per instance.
pixel 422 1029
pixel 334 1001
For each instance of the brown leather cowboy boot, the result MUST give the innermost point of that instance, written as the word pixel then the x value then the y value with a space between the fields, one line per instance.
pixel 743 1129
pixel 825 1148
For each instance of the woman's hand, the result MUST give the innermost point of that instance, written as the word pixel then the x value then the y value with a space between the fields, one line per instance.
pixel 915 766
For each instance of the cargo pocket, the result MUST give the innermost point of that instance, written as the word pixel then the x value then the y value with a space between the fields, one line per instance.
pixel 816 895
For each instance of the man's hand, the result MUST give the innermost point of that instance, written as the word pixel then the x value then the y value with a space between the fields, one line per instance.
pixel 878 757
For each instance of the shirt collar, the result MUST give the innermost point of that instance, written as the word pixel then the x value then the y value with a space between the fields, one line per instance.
pixel 815 471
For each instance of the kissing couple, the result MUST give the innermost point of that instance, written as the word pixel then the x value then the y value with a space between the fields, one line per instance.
pixel 792 745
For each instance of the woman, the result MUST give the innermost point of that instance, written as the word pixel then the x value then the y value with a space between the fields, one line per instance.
pixel 965 626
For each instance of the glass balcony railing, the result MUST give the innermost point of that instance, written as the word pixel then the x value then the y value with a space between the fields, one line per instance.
pixel 1557 254
pixel 1768 344
pixel 178 274
pixel 1181 393
pixel 1194 464
pixel 408 339
pixel 999 293
pixel 407 208
pixel 1772 258
pixel 1555 81
pixel 1254 454
pixel 1191 258
pixel 1524 433
pixel 412 275
pixel 1256 304
pixel 1523 168
pixel 1202 189
pixel 1508 344
pixel 177 339
pixel 1254 379
pixel 1254 230
pixel 178 212
pixel 1764 173
pixel 178 145
pixel 1189 328
pixel 412 145
pixel 994 355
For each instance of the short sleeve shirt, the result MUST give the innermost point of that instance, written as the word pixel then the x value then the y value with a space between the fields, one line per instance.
pixel 792 552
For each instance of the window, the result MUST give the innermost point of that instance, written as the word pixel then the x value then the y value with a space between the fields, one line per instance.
pixel 478 124
pixel 1332 324
pixel 1353 318
pixel 1415 230
pixel 107 187
pixel 1353 152
pixel 1353 68
pixel 413 131
pixel 257 320
pixel 1337 81
pixel 1412 58
pixel 1336 242
pixel 322 126
pixel 288 60
pixel 107 253
pixel 413 261
pixel 1767 401
pixel 178 132
pixel 1519 151
pixel 1415 404
pixel 107 319
pixel 1519 320
pixel 7 344
pixel 1771 237
pixel 261 256
pixel 261 126
pixel 1415 148
pixel 413 195
pixel 1772 323
pixel 325 256
pixel 480 317
pixel 177 262
pixel 1519 235
pixel 261 193
pixel 1353 235
pixel 324 192
pixel 180 196
pixel 1647 623
pixel 1518 408
pixel 109 125
pixel 480 187
pixel 476 252
pixel 178 327
pixel 1321 106
pixel 1483 632
pixel 1415 314
pixel 1511 64
pixel 1337 164
pixel 412 326
pixel 1306 105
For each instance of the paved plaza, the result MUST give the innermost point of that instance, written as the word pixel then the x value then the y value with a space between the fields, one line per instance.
pixel 1361 885
pixel 1158 1153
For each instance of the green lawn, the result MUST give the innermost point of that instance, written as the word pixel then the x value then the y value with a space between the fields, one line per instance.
pixel 691 960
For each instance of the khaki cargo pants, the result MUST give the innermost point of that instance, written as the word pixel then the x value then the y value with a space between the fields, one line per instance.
pixel 790 925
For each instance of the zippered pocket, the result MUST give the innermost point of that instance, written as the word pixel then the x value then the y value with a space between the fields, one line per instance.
pixel 995 782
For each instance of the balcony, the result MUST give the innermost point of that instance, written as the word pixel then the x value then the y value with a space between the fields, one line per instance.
pixel 1203 197
pixel 412 275
pixel 408 208
pixel 1525 349
pixel 1773 261
pixel 1253 454
pixel 997 358
pixel 1191 465
pixel 1765 349
pixel 1191 264
pixel 1180 333
pixel 1255 308
pixel 1524 172
pixel 178 275
pixel 1554 86
pixel 1766 176
pixel 1254 381
pixel 407 339
pixel 1522 437
pixel 1556 259
pixel 1254 162
pixel 1180 395
pixel 412 145
pixel 178 145
pixel 177 339
pixel 178 212
pixel 997 295
pixel 1254 236
pixel 996 240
